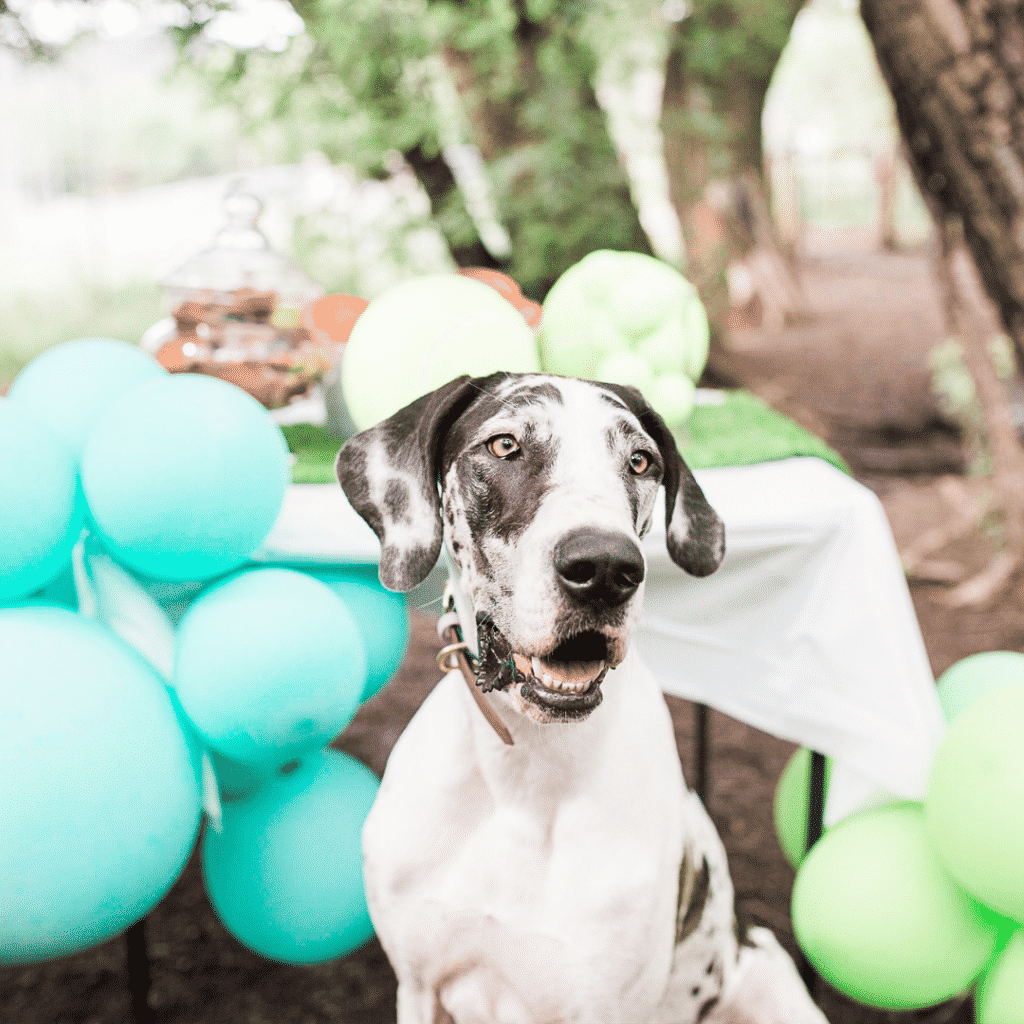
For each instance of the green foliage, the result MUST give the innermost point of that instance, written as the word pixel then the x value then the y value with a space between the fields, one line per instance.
pixel 954 387
pixel 33 322
pixel 729 50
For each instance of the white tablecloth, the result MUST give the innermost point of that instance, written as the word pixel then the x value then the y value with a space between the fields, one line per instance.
pixel 807 630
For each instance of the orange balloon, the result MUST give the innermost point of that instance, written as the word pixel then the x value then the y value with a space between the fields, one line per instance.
pixel 507 288
pixel 501 283
pixel 334 315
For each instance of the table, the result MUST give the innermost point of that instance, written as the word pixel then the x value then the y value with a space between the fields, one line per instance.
pixel 806 631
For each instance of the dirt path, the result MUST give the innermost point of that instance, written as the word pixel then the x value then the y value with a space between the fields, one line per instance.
pixel 858 374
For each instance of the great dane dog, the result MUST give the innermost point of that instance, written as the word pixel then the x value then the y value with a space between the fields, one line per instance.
pixel 543 862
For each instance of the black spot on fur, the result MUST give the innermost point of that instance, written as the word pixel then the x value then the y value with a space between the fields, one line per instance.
pixel 396 501
pixel 532 394
pixel 688 918
pixel 495 669
pixel 500 496
pixel 706 1007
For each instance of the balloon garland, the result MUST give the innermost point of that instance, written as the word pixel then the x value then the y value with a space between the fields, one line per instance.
pixel 119 728
pixel 905 906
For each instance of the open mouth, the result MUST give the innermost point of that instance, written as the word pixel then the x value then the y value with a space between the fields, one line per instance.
pixel 566 682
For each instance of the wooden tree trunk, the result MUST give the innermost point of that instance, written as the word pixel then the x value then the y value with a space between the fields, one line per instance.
pixel 956 72
pixel 744 230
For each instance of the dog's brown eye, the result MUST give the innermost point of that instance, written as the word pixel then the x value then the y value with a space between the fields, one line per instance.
pixel 639 462
pixel 503 445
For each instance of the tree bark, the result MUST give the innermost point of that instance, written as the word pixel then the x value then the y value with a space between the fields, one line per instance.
pixel 956 72
pixel 733 97
pixel 955 69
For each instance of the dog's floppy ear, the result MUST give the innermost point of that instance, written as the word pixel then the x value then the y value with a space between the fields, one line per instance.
pixel 389 475
pixel 695 536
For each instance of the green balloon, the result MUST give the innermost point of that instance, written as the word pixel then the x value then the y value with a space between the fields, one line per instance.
pixel 617 302
pixel 974 677
pixel 974 808
pixel 1000 996
pixel 424 332
pixel 285 873
pixel 880 919
pixel 791 804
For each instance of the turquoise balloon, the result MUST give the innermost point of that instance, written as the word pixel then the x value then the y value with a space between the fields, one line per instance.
pixel 100 802
pixel 881 920
pixel 381 616
pixel 41 506
pixel 974 806
pixel 184 477
pixel 69 386
pixel 976 676
pixel 285 875
pixel 999 998
pixel 269 665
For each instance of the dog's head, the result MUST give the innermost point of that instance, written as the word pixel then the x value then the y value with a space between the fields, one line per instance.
pixel 542 487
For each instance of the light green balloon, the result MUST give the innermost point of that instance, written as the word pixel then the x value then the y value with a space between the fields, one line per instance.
pixel 976 676
pixel 671 396
pixel 625 368
pixel 424 332
pixel 1000 996
pixel 664 349
pixel 974 806
pixel 613 301
pixel 880 919
pixel 791 804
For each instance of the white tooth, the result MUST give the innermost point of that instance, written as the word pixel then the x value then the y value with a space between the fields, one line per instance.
pixel 547 680
pixel 537 670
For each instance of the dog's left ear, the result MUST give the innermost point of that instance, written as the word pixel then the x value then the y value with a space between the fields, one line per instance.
pixel 695 536
pixel 389 475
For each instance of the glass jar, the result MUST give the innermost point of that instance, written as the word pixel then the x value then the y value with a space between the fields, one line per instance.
pixel 236 312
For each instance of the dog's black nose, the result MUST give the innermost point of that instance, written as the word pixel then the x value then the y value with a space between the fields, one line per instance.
pixel 596 566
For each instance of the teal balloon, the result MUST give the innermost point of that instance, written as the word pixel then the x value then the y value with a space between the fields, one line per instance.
pixel 184 477
pixel 792 804
pixel 69 386
pixel 999 998
pixel 976 676
pixel 61 590
pixel 882 921
pixel 100 801
pixel 41 506
pixel 974 806
pixel 285 874
pixel 381 616
pixel 269 665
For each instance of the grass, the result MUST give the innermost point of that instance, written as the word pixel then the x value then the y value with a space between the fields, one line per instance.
pixel 31 322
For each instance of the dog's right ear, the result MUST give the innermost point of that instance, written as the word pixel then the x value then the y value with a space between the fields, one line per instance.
pixel 389 475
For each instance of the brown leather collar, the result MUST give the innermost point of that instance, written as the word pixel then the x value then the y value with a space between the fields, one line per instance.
pixel 456 648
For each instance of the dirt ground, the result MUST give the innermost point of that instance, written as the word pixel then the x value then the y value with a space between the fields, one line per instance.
pixel 857 373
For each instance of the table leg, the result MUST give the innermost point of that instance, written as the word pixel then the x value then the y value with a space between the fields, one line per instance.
pixel 137 969
pixel 701 751
pixel 815 826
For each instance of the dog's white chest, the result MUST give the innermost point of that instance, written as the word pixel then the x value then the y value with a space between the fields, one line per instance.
pixel 527 897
